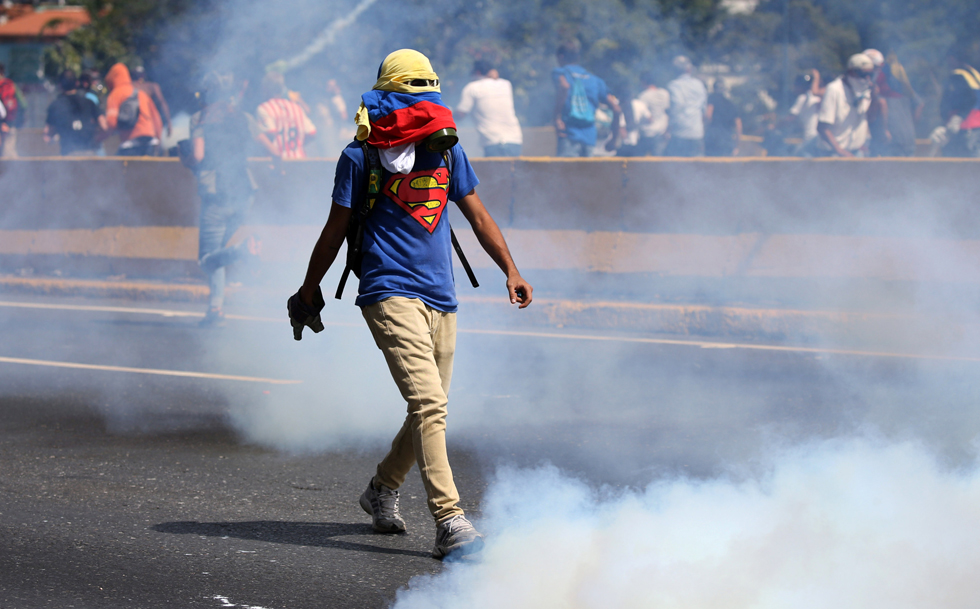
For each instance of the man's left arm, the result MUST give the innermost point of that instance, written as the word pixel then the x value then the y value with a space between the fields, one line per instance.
pixel 492 240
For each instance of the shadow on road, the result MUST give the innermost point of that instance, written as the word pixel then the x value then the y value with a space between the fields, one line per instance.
pixel 319 534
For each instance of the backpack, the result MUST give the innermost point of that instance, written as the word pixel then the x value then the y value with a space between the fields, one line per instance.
pixel 580 108
pixel 361 211
pixel 129 112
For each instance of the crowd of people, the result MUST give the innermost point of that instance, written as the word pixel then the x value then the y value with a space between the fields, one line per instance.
pixel 870 110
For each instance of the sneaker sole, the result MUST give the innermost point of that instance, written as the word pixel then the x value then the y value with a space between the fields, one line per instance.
pixel 461 549
pixel 366 506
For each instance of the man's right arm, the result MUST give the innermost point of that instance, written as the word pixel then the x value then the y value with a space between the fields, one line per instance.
pixel 325 251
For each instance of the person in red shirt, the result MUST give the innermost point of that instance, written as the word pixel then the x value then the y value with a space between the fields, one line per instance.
pixel 284 125
pixel 8 115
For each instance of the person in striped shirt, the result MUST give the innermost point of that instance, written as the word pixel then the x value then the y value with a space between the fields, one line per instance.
pixel 284 125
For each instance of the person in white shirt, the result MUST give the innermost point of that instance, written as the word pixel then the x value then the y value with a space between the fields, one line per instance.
pixel 843 116
pixel 806 110
pixel 654 122
pixel 688 103
pixel 491 101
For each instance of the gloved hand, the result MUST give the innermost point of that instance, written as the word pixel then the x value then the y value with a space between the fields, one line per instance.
pixel 939 136
pixel 301 315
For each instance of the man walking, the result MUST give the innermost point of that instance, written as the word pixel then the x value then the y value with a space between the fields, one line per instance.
pixel 578 93
pixel 491 100
pixel 406 291
pixel 688 104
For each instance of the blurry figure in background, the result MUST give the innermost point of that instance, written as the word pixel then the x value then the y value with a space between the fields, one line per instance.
pixel 220 139
pixel 904 108
pixel 880 136
pixel 74 119
pixel 653 122
pixel 90 84
pixel 806 109
pixel 627 141
pixel 960 108
pixel 10 99
pixel 332 119
pixel 843 117
pixel 895 109
pixel 153 90
pixel 491 101
pixel 723 130
pixel 284 125
pixel 688 105
pixel 132 114
pixel 578 94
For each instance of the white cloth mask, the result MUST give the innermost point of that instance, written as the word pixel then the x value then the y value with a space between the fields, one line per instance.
pixel 400 159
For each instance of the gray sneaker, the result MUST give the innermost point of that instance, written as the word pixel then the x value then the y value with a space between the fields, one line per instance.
pixel 382 504
pixel 458 537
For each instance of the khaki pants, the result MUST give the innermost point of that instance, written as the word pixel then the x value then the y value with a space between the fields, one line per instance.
pixel 418 343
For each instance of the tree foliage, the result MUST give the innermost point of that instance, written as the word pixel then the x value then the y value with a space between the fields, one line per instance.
pixel 620 39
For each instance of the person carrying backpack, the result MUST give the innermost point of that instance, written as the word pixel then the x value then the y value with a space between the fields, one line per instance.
pixel 10 102
pixel 578 94
pixel 132 114
pixel 74 119
pixel 402 170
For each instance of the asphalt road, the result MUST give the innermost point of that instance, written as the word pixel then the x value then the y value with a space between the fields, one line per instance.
pixel 128 479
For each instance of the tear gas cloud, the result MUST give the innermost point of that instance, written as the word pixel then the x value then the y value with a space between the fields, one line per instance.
pixel 751 493
pixel 844 523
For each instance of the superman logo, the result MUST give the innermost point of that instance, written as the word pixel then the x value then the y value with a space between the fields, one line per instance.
pixel 421 193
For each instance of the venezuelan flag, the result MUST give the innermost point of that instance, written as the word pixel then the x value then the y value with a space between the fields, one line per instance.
pixel 403 118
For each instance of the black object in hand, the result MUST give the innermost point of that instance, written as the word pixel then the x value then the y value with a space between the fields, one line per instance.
pixel 301 315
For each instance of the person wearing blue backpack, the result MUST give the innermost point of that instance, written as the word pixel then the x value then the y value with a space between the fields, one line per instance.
pixel 578 94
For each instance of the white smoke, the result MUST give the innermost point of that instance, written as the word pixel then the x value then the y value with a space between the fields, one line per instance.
pixel 845 523
pixel 324 38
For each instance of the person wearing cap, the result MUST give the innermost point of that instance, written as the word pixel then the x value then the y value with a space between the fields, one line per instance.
pixel 406 290
pixel 688 105
pixel 843 116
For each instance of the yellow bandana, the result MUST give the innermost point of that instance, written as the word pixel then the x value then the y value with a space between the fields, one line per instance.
pixel 397 70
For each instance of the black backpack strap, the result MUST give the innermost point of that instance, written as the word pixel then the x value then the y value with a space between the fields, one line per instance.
pixel 447 157
pixel 359 215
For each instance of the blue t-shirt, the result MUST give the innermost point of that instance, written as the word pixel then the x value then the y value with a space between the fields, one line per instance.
pixel 407 247
pixel 595 90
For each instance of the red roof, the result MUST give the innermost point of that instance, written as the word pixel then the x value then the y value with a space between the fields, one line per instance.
pixel 47 23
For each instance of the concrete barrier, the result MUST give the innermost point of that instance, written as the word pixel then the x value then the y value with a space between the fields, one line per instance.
pixel 666 217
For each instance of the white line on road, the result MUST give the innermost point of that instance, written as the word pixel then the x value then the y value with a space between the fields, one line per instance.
pixel 141 311
pixel 530 334
pixel 199 375
pixel 714 345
